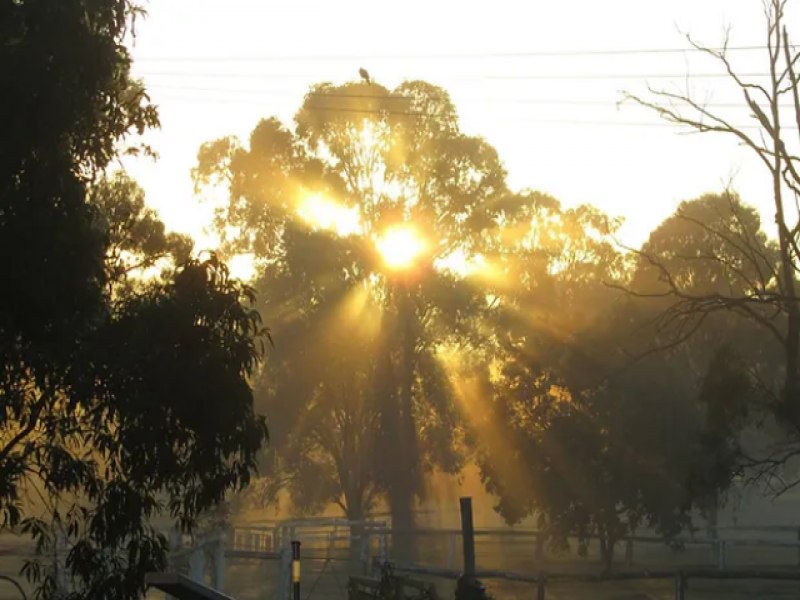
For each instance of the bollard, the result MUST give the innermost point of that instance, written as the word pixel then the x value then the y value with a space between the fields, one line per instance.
pixel 295 570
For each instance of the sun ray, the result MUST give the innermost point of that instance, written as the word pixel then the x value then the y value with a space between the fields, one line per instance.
pixel 474 399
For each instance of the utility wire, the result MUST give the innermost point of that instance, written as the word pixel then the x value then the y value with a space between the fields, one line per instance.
pixel 448 56
pixel 534 101
pixel 523 119
pixel 559 76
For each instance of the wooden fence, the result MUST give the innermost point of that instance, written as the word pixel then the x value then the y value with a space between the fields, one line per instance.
pixel 330 540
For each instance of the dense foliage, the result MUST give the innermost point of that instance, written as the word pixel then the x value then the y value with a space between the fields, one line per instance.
pixel 118 402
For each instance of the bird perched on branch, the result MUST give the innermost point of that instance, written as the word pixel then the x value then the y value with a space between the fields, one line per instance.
pixel 364 75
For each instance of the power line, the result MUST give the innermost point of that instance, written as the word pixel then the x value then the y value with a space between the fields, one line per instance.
pixel 448 55
pixel 266 93
pixel 559 76
pixel 384 112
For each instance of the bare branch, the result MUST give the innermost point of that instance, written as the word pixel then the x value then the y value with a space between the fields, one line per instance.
pixel 718 124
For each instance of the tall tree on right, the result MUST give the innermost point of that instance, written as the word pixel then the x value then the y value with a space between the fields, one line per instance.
pixel 773 104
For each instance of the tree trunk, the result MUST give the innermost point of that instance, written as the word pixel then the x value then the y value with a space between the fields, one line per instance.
pixel 792 347
pixel 355 515
pixel 396 453
pixel 408 460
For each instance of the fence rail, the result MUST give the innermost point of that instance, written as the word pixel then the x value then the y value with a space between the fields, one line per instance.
pixel 680 577
pixel 363 544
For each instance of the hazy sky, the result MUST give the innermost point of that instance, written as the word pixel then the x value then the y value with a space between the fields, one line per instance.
pixel 217 66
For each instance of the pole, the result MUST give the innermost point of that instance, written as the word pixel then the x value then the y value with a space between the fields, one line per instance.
pixel 468 536
pixel 295 570
pixel 541 583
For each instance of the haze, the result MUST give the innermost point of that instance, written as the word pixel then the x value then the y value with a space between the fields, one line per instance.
pixel 516 71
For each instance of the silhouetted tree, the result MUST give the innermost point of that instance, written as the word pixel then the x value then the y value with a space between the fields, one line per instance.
pixel 710 251
pixel 114 407
pixel 774 143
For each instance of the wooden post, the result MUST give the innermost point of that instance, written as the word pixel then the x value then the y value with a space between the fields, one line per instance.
pixel 629 552
pixel 383 542
pixel 798 548
pixel 175 542
pixel 468 536
pixel 364 551
pixel 197 564
pixel 451 551
pixel 286 570
pixel 540 586
pixel 539 547
pixel 219 563
pixel 681 586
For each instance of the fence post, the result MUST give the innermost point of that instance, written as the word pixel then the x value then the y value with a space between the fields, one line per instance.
pixel 383 547
pixel 285 579
pixel 798 548
pixel 364 550
pixel 629 552
pixel 468 536
pixel 467 586
pixel 219 563
pixel 197 564
pixel 721 551
pixel 451 551
pixel 541 582
pixel 681 582
pixel 175 543
pixel 539 547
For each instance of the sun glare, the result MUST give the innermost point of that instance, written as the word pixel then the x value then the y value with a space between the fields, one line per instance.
pixel 318 211
pixel 400 246
pixel 242 266
pixel 461 264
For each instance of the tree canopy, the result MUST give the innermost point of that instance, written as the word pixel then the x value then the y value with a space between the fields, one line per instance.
pixel 117 401
pixel 367 171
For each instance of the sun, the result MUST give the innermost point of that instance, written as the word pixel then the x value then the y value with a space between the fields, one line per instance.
pixel 401 246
